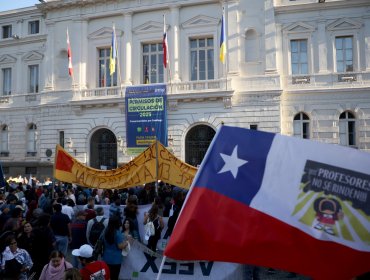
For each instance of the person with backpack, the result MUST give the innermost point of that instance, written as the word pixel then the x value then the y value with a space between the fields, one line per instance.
pixel 96 226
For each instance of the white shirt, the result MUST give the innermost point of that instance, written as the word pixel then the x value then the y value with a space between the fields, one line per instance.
pixel 68 210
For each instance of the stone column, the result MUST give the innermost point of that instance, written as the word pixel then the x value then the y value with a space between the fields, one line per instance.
pixel 49 69
pixel 174 53
pixel 270 37
pixel 367 42
pixel 323 49
pixel 127 18
pixel 79 55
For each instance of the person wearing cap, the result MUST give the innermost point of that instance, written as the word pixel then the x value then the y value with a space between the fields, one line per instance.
pixel 90 267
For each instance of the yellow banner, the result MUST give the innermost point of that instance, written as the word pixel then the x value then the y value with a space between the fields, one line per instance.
pixel 141 170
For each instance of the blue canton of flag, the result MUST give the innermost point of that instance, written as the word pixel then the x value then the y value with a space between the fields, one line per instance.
pixel 234 165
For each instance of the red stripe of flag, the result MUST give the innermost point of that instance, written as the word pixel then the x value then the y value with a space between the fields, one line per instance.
pixel 70 69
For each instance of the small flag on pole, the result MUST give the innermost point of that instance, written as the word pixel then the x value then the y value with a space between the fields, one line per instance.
pixel 223 40
pixel 70 68
pixel 113 53
pixel 165 44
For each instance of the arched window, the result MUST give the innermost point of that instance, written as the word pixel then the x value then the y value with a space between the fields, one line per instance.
pixel 301 125
pixel 251 46
pixel 4 140
pixel 197 142
pixel 347 129
pixel 31 139
pixel 103 149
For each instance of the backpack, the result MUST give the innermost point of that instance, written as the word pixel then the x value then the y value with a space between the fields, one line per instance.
pixel 96 230
pixel 98 248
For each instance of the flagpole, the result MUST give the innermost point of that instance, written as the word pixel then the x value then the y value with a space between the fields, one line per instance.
pixel 169 74
pixel 118 64
pixel 156 165
pixel 69 53
pixel 161 267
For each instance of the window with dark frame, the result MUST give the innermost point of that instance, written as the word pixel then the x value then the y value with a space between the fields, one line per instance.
pixel 34 27
pixel 6 31
pixel 153 69
pixel 105 79
pixel 201 59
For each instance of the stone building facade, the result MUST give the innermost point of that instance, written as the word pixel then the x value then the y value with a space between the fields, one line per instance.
pixel 299 68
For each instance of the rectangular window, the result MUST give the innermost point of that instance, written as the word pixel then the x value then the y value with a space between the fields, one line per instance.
pixel 305 130
pixel 7 31
pixel 344 53
pixel 33 78
pixel 153 69
pixel 201 59
pixel 34 27
pixel 61 138
pixel 5 170
pixel 30 170
pixel 7 81
pixel 4 140
pixel 105 79
pixel 299 61
pixel 253 127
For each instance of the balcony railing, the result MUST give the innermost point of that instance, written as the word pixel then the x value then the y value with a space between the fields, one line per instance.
pixel 327 81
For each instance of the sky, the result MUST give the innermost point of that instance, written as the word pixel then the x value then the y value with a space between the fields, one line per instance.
pixel 6 5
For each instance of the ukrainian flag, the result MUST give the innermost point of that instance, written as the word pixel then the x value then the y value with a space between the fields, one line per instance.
pixel 113 54
pixel 222 40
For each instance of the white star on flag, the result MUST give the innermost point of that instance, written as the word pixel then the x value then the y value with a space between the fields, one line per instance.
pixel 232 162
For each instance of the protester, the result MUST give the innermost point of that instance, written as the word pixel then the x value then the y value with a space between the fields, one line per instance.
pixel 15 222
pixel 113 245
pixel 72 274
pixel 128 230
pixel 67 209
pixel 44 243
pixel 90 208
pixel 61 226
pixel 15 261
pixel 115 208
pixel 99 218
pixel 55 269
pixel 131 212
pixel 78 231
pixel 26 239
pixel 157 220
pixel 91 268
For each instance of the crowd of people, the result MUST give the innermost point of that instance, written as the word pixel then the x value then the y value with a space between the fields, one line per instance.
pixel 40 223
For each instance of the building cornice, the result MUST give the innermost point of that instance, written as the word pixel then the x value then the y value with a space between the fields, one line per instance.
pixel 309 7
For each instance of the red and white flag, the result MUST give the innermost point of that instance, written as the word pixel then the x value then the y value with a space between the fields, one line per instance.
pixel 165 44
pixel 70 68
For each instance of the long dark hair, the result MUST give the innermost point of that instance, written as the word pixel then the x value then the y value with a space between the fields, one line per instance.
pixel 153 212
pixel 114 224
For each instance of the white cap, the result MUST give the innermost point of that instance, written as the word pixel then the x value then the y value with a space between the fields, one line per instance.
pixel 85 251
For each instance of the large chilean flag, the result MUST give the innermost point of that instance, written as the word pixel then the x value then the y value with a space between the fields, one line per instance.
pixel 276 201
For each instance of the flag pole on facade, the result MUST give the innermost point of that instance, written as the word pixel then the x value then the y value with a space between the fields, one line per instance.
pixel 113 59
pixel 69 52
pixel 223 50
pixel 166 61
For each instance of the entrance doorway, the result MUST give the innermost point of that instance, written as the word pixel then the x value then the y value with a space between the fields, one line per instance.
pixel 103 149
pixel 197 142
